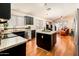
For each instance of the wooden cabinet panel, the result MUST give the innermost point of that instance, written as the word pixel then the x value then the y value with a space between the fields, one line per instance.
pixel 46 41
pixel 22 33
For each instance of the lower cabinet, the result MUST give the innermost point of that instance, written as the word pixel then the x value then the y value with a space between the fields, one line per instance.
pixel 19 50
pixel 30 34
pixel 46 41
pixel 21 33
pixel 33 34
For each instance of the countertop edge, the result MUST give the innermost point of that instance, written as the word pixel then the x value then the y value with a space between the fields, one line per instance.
pixel 13 45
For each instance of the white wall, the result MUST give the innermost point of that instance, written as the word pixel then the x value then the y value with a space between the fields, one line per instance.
pixel 17 19
pixel 39 23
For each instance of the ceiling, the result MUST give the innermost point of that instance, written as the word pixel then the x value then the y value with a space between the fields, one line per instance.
pixel 44 10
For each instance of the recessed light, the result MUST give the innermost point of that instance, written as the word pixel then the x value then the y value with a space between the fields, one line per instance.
pixel 48 9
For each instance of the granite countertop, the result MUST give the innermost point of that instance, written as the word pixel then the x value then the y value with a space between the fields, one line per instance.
pixel 15 30
pixel 46 32
pixel 11 42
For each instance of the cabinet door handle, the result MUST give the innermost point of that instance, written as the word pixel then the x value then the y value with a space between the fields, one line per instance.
pixel 42 36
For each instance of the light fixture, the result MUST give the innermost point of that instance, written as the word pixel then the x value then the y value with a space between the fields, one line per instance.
pixel 46 6
pixel 47 9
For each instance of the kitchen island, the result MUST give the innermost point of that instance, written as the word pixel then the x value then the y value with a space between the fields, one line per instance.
pixel 46 39
pixel 15 46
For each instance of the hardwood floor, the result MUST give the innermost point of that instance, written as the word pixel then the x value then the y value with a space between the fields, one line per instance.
pixel 64 47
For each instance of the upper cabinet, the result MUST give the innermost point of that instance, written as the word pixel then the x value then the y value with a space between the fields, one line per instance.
pixel 5 10
pixel 28 20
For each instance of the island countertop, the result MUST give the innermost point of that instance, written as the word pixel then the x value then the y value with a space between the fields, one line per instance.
pixel 46 32
pixel 11 42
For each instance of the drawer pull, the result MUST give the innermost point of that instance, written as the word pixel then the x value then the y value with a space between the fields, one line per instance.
pixel 42 36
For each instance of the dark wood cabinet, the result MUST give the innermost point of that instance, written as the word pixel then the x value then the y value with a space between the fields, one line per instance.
pixel 5 10
pixel 46 41
pixel 21 33
pixel 30 34
pixel 19 50
pixel 28 20
pixel 33 34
